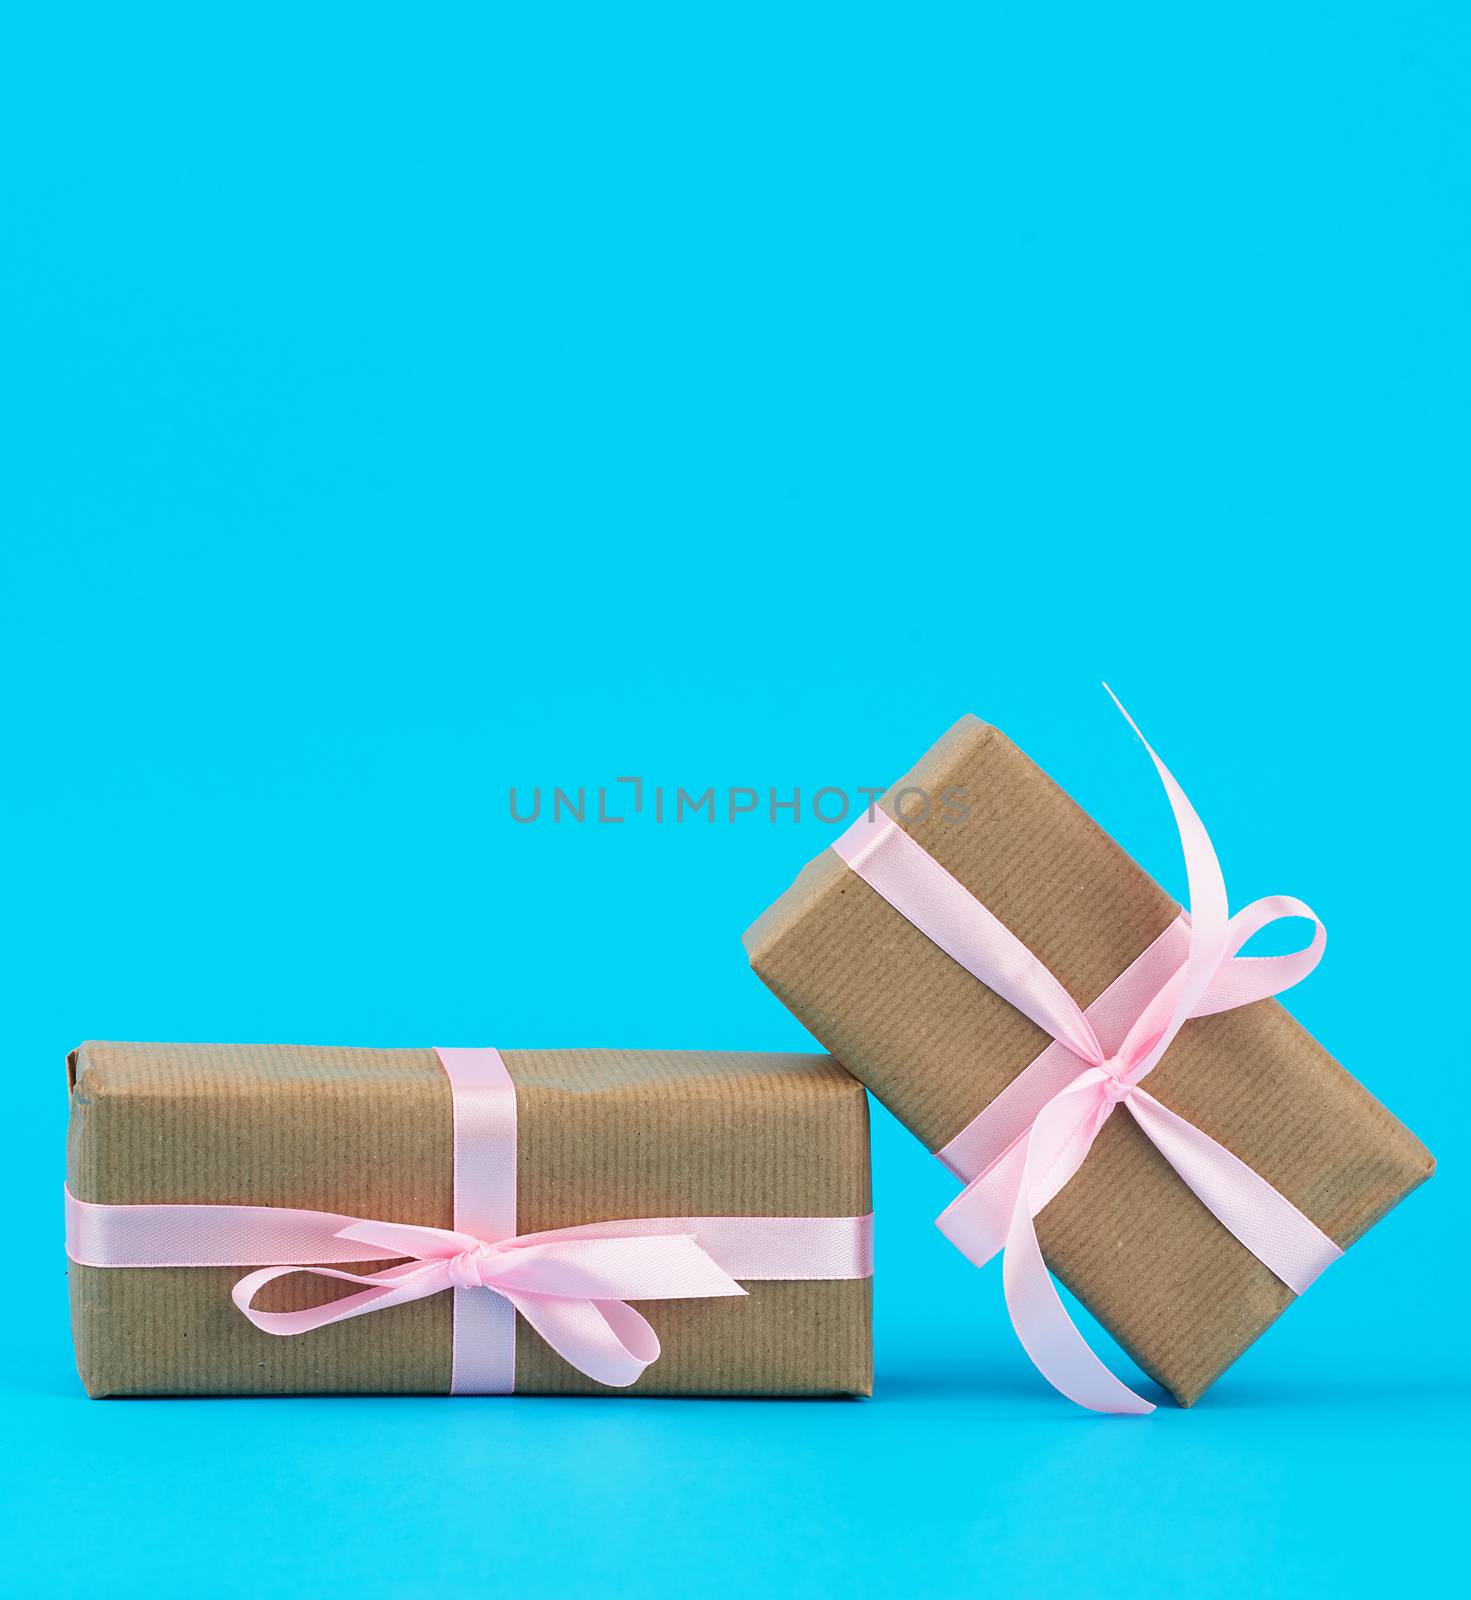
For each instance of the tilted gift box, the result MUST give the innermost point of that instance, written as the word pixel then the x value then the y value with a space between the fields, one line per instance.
pixel 936 1046
pixel 761 1160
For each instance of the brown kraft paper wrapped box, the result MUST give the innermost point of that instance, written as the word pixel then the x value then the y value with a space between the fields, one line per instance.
pixel 601 1135
pixel 1176 1290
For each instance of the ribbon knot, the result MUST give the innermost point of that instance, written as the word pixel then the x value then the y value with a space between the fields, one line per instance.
pixel 467 1270
pixel 1116 1086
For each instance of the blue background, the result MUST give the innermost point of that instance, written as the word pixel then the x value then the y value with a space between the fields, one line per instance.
pixel 401 406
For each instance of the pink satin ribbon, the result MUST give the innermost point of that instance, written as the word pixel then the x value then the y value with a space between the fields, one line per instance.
pixel 1025 1146
pixel 571 1285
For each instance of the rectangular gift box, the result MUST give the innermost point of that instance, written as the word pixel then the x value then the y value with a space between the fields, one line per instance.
pixel 599 1135
pixel 936 1046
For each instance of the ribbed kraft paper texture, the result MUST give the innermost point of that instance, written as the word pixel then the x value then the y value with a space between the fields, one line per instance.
pixel 601 1134
pixel 935 1046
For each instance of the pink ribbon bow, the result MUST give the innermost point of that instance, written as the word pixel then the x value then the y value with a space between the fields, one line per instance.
pixel 573 1288
pixel 1027 1144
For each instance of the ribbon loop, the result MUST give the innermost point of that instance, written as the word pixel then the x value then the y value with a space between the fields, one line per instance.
pixel 658 1267
pixel 1240 980
pixel 614 1343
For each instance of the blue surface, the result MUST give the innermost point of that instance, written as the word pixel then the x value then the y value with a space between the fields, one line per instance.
pixel 401 406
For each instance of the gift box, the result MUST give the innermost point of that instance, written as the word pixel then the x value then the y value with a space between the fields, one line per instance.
pixel 942 951
pixel 278 1220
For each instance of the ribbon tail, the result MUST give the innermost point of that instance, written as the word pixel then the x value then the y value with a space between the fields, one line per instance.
pixel 633 1267
pixel 1286 1241
pixel 1056 1147
pixel 606 1340
pixel 1048 1335
pixel 1161 1020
